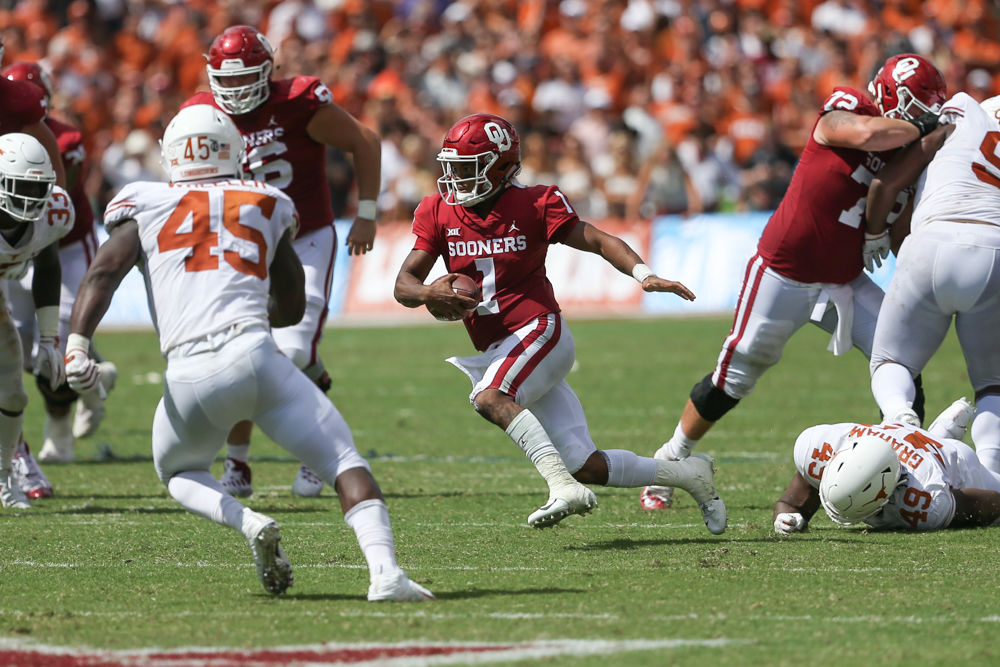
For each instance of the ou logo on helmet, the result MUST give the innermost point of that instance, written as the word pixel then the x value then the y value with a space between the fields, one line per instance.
pixel 498 135
pixel 904 69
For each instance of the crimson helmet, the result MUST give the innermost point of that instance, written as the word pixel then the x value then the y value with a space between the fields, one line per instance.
pixel 25 71
pixel 906 86
pixel 238 51
pixel 489 144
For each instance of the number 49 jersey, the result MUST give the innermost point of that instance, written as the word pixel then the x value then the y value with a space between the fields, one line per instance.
pixel 931 467
pixel 817 232
pixel 206 251
pixel 962 182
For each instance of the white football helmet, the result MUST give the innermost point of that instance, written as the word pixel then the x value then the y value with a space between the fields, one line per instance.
pixel 26 177
pixel 202 142
pixel 859 480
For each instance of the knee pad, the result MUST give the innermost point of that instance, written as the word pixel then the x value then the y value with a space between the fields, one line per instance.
pixel 317 373
pixel 60 397
pixel 710 401
pixel 13 401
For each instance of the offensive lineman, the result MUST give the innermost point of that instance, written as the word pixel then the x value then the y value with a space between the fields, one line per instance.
pixel 489 227
pixel 220 270
pixel 811 255
pixel 949 265
pixel 287 125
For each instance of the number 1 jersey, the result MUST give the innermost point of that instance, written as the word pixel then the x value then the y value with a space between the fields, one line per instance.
pixel 206 251
pixel 504 253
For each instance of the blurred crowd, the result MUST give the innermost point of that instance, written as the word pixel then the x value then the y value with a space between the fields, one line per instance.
pixel 634 108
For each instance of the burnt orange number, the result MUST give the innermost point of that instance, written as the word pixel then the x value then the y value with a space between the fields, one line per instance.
pixel 233 201
pixel 988 148
pixel 201 239
pixel 823 455
pixel 925 444
pixel 913 518
pixel 917 498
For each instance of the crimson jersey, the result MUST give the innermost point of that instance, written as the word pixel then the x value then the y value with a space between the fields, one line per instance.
pixel 279 150
pixel 73 153
pixel 504 254
pixel 23 104
pixel 817 233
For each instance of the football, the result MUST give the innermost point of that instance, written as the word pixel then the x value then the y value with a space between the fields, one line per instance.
pixel 462 285
pixel 466 286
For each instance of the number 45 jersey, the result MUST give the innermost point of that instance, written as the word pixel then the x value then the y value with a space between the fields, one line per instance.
pixel 817 233
pixel 206 251
pixel 931 468
pixel 962 182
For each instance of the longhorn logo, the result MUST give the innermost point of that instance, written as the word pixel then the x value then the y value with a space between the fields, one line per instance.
pixel 498 135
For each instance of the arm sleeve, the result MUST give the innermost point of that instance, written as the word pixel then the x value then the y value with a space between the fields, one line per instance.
pixel 121 208
pixel 425 230
pixel 560 217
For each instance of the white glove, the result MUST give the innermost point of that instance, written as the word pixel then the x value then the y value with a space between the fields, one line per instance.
pixel 82 372
pixel 787 523
pixel 876 249
pixel 49 361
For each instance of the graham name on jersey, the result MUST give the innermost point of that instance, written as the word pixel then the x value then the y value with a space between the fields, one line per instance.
pixel 905 449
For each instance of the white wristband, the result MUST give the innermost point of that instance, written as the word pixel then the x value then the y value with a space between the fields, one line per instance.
pixel 48 321
pixel 77 341
pixel 640 272
pixel 367 209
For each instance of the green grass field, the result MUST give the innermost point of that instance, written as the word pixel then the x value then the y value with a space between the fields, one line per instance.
pixel 112 562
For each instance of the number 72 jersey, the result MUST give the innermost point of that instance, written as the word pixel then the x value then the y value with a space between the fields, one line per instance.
pixel 931 468
pixel 206 251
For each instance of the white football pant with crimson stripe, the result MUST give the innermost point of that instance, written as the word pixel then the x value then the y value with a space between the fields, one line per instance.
pixel 317 252
pixel 531 366
pixel 770 309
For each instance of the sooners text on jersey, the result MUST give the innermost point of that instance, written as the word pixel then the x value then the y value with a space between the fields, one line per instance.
pixel 279 150
pixel 54 225
pixel 505 253
pixel 817 232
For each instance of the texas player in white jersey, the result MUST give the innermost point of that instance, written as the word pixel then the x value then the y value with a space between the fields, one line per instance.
pixel 893 475
pixel 811 256
pixel 488 227
pixel 948 267
pixel 216 254
pixel 287 125
pixel 34 215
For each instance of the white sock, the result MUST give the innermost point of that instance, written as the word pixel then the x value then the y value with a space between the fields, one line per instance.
pixel 985 431
pixel 628 469
pixel 238 452
pixel 529 434
pixel 200 493
pixel 893 389
pixel 678 447
pixel 369 520
pixel 10 435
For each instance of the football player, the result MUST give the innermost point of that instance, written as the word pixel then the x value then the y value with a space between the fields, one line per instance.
pixel 812 254
pixel 287 125
pixel 895 475
pixel 75 251
pixel 218 287
pixel 34 214
pixel 496 231
pixel 949 267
